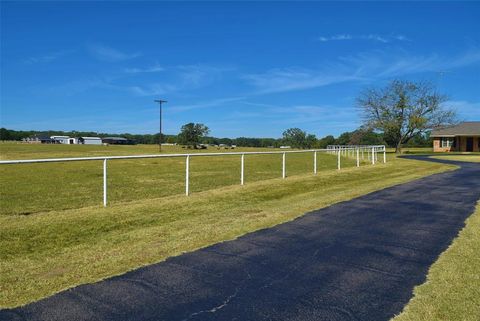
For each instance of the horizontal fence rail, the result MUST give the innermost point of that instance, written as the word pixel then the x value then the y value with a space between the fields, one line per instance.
pixel 363 152
pixel 368 151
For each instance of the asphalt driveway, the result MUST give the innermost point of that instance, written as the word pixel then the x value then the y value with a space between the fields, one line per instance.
pixel 355 260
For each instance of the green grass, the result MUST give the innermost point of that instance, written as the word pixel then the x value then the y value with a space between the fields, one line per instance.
pixel 46 252
pixel 460 158
pixel 14 150
pixel 31 188
pixel 413 150
pixel 452 289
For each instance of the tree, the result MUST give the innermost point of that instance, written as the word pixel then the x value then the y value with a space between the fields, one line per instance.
pixel 404 109
pixel 344 139
pixel 364 136
pixel 310 141
pixel 5 134
pixel 295 137
pixel 190 134
pixel 325 141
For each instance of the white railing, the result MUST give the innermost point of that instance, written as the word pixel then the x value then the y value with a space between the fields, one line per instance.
pixel 369 152
pixel 347 151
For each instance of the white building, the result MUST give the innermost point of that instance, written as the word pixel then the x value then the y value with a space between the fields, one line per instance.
pixel 89 140
pixel 64 139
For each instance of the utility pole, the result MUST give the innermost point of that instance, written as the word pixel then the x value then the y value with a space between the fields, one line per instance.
pixel 160 102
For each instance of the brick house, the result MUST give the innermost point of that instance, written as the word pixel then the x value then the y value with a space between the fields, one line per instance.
pixel 464 137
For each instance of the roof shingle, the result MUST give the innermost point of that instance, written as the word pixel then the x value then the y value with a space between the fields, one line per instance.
pixel 469 128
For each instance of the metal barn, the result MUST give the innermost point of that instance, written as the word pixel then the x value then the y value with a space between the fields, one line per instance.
pixel 89 140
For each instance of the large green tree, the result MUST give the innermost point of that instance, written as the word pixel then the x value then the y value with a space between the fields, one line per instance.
pixel 191 134
pixel 325 141
pixel 403 110
pixel 297 138
pixel 364 136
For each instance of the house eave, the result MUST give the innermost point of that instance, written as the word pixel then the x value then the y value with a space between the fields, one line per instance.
pixel 443 136
pixel 456 135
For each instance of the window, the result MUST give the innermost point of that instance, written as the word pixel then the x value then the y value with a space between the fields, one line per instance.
pixel 447 142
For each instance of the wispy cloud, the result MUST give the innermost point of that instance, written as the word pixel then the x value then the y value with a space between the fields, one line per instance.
pixel 106 53
pixel 315 117
pixel 466 110
pixel 300 114
pixel 78 86
pixel 201 74
pixel 367 66
pixel 386 64
pixel 206 104
pixel 154 68
pixel 181 77
pixel 335 37
pixel 153 89
pixel 371 37
pixel 47 58
pixel 280 80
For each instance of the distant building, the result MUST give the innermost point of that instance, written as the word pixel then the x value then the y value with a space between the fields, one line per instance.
pixel 464 137
pixel 285 147
pixel 39 139
pixel 89 140
pixel 64 139
pixel 117 141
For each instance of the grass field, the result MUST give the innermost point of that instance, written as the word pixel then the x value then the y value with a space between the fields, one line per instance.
pixel 452 290
pixel 460 158
pixel 30 188
pixel 413 150
pixel 52 250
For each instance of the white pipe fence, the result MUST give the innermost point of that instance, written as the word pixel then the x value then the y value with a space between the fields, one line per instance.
pixel 346 151
pixel 370 150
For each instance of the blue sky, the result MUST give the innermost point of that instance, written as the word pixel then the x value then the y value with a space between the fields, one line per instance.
pixel 243 69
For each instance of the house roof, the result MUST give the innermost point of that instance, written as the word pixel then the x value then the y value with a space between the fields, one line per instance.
pixel 85 137
pixel 468 128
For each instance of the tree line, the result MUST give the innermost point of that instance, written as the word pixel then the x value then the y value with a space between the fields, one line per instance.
pixel 294 137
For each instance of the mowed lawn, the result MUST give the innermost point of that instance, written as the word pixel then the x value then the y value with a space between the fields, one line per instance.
pixel 475 158
pixel 49 251
pixel 30 188
pixel 452 289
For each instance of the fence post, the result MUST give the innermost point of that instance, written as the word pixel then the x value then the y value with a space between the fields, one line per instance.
pixel 358 157
pixel 373 155
pixel 242 169
pixel 315 162
pixel 105 182
pixel 384 155
pixel 283 166
pixel 338 160
pixel 187 174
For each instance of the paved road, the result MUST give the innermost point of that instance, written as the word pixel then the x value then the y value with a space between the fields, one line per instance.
pixel 356 260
